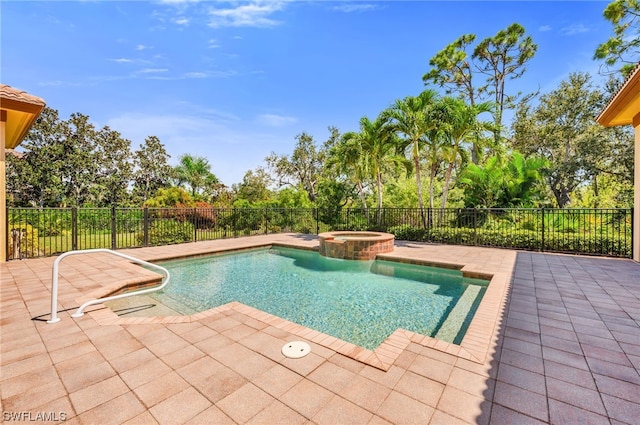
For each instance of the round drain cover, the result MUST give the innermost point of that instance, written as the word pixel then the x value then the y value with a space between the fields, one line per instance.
pixel 296 349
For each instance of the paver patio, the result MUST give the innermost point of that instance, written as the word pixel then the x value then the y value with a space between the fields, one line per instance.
pixel 556 340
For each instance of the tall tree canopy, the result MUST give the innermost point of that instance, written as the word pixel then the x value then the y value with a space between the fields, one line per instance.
pixel 152 169
pixel 453 69
pixel 499 58
pixel 114 168
pixel 33 176
pixel 78 154
pixel 304 167
pixel 71 163
pixel 503 57
pixel 254 186
pixel 562 130
pixel 622 49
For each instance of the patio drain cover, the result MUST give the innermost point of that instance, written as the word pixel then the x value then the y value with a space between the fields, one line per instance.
pixel 296 349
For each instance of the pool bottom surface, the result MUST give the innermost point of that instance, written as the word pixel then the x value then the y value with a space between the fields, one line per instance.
pixel 358 302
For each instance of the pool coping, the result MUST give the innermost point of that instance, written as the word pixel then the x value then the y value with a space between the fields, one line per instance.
pixel 475 346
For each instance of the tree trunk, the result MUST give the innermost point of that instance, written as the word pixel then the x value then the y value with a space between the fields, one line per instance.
pixel 363 199
pixel 445 191
pixel 379 187
pixel 432 177
pixel 562 196
pixel 447 180
pixel 419 184
pixel 474 146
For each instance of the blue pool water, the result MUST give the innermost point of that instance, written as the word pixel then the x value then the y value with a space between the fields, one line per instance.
pixel 361 302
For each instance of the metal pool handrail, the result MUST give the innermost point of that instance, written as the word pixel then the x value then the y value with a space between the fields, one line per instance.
pixel 80 311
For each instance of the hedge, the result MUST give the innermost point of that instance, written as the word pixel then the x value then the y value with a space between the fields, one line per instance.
pixel 520 239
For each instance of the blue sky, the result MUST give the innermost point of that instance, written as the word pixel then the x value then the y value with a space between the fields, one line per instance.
pixel 234 81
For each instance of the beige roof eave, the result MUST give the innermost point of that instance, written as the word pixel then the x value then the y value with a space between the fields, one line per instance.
pixel 22 110
pixel 625 104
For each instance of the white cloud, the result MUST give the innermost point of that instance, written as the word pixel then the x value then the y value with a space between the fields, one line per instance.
pixel 140 47
pixel 254 14
pixel 273 120
pixel 57 83
pixel 144 73
pixel 574 29
pixel 213 44
pixel 222 74
pixel 152 70
pixel 195 75
pixel 352 7
pixel 129 60
pixel 544 28
pixel 178 1
pixel 181 21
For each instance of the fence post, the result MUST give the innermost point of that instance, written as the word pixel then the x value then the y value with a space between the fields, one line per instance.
pixel 542 247
pixel 235 227
pixel 74 228
pixel 475 227
pixel 195 224
pixel 632 233
pixel 145 226
pixel 113 228
pixel 6 228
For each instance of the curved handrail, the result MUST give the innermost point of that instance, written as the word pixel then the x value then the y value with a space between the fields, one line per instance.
pixel 80 311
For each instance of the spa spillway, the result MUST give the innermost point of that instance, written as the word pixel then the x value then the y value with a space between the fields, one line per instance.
pixel 355 245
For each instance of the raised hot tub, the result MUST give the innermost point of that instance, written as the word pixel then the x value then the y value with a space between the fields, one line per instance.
pixel 351 245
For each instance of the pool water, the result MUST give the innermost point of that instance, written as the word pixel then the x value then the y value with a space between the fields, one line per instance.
pixel 362 302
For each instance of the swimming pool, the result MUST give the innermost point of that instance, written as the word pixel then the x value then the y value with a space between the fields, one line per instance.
pixel 361 302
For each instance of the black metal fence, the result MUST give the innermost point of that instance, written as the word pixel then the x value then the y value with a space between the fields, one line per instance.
pixel 50 231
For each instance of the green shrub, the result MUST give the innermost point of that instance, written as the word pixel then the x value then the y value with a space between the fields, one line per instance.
pixel 246 220
pixel 166 232
pixel 28 241
pixel 129 220
pixel 519 239
pixel 405 233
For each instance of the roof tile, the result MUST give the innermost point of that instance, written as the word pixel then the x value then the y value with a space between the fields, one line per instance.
pixel 8 92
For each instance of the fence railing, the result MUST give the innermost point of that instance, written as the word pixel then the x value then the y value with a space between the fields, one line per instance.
pixel 50 231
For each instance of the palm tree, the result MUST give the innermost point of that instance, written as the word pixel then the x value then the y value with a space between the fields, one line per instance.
pixel 347 158
pixel 434 156
pixel 521 186
pixel 503 182
pixel 196 172
pixel 378 144
pixel 462 125
pixel 413 117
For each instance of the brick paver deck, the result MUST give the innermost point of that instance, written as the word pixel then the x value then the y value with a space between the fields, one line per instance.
pixel 556 340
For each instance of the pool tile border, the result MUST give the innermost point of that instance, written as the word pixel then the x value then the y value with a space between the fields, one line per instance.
pixel 475 346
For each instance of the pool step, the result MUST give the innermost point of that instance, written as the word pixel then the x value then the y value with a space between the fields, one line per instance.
pixel 140 306
pixel 454 321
